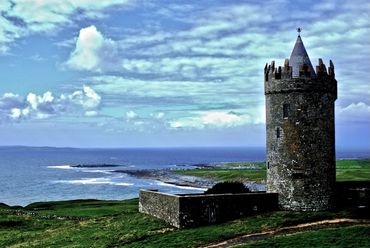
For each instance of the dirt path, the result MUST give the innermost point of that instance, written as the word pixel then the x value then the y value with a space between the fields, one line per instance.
pixel 288 230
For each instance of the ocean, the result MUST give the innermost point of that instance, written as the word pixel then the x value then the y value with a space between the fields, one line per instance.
pixel 31 174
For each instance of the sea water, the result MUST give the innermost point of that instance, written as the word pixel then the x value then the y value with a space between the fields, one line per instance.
pixel 30 174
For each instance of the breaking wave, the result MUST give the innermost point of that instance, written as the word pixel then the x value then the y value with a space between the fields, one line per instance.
pixel 100 180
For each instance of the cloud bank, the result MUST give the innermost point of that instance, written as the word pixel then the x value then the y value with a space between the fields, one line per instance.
pixel 15 108
pixel 20 18
pixel 213 62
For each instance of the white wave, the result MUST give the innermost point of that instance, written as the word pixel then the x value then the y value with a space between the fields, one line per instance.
pixel 123 184
pixel 100 180
pixel 64 167
pixel 100 171
pixel 179 186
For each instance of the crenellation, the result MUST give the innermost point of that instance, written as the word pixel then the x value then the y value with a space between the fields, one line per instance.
pixel 321 71
pixel 331 69
pixel 280 80
pixel 304 71
pixel 266 68
pixel 272 72
pixel 287 71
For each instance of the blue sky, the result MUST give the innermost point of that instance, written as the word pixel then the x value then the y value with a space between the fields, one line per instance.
pixel 129 73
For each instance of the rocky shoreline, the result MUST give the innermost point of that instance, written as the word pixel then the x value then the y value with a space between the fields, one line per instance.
pixel 169 176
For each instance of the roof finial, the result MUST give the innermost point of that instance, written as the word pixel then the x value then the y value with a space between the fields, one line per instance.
pixel 299 31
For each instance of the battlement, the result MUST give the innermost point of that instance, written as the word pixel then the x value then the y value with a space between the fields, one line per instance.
pixel 272 72
pixel 280 79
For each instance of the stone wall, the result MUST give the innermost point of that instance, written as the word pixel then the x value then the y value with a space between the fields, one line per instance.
pixel 161 205
pixel 355 195
pixel 190 210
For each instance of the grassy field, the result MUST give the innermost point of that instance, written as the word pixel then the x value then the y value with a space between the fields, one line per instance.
pixel 354 236
pixel 91 223
pixel 231 174
pixel 347 170
pixel 353 170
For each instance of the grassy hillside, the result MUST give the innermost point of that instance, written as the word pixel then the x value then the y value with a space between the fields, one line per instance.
pixel 347 170
pixel 353 236
pixel 92 223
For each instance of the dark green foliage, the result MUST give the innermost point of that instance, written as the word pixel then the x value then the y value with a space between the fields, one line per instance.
pixel 228 187
pixel 10 223
pixel 2 205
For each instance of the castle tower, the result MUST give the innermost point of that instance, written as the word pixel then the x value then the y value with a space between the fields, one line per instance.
pixel 300 137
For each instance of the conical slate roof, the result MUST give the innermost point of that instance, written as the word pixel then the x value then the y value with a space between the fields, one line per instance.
pixel 299 57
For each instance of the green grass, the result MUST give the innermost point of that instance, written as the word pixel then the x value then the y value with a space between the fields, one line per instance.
pixel 231 174
pixel 353 170
pixel 92 223
pixel 227 175
pixel 262 165
pixel 104 223
pixel 354 236
pixel 81 208
pixel 347 170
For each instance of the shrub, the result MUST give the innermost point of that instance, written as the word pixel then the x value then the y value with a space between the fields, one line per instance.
pixel 228 187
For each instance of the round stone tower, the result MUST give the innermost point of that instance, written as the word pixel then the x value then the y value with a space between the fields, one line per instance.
pixel 300 138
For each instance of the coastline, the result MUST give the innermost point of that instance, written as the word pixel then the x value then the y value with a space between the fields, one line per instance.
pixel 172 177
pixel 168 176
pixel 185 177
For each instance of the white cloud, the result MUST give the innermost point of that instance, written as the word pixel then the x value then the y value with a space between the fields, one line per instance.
pixel 82 102
pixel 92 99
pixel 88 43
pixel 91 113
pixel 87 98
pixel 220 119
pixel 36 101
pixel 159 115
pixel 211 119
pixel 91 50
pixel 354 112
pixel 15 113
pixel 131 114
pixel 10 100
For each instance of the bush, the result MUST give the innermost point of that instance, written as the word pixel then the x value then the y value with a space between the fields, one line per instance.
pixel 228 187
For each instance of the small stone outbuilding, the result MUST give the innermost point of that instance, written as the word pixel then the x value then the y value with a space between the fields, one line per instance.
pixel 190 210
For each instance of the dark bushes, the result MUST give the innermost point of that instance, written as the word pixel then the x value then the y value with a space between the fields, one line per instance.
pixel 228 187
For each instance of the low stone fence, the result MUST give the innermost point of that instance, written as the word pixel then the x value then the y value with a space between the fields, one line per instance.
pixel 189 210
pixel 355 195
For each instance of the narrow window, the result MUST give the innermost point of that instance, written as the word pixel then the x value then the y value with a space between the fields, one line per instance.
pixel 278 132
pixel 286 108
pixel 268 165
